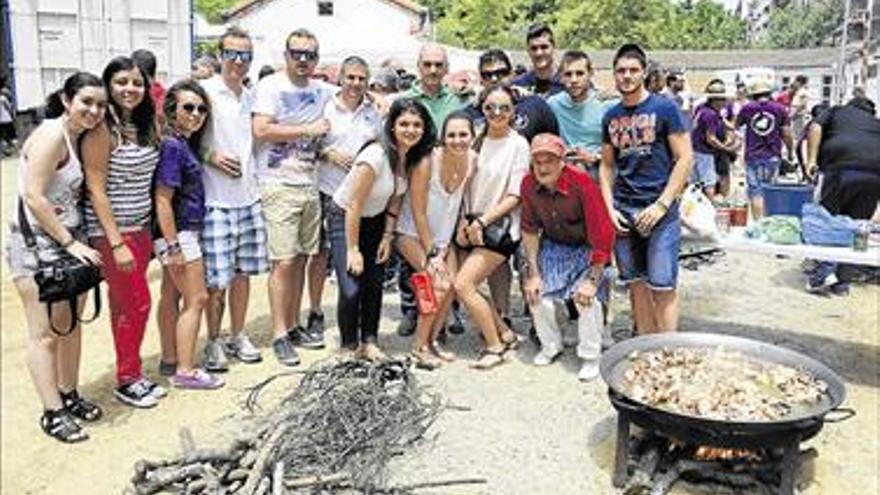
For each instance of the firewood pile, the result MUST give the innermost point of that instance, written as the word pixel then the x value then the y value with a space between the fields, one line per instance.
pixel 334 434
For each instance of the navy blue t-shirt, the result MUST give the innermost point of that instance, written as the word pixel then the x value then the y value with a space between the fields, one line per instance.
pixel 643 158
pixel 532 116
pixel 541 87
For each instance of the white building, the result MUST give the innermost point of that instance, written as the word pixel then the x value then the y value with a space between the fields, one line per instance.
pixel 372 29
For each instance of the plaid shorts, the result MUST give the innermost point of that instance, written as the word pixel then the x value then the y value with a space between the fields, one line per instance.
pixel 234 241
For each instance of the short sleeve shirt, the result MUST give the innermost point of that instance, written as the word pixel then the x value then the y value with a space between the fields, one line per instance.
pixel 542 87
pixel 349 131
pixel 708 120
pixel 532 116
pixel 501 165
pixel 292 162
pixel 229 132
pixel 763 121
pixel 642 155
pixel 179 169
pixel 580 123
pixel 384 187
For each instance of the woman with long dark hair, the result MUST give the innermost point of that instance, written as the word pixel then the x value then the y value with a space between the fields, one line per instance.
pixel 427 225
pixel 119 158
pixel 180 211
pixel 363 216
pixel 489 228
pixel 50 183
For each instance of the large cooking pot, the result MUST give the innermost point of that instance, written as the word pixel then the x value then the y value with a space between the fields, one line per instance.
pixel 615 362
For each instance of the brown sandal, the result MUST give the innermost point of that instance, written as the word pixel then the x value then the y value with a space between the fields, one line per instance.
pixel 489 359
pixel 424 359
pixel 510 340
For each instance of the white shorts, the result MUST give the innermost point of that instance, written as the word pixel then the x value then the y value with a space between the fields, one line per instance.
pixel 189 246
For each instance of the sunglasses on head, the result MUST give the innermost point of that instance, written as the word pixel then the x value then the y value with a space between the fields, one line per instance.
pixel 192 107
pixel 493 75
pixel 302 55
pixel 240 55
pixel 496 108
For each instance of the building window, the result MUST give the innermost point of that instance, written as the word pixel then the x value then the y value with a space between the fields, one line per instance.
pixel 325 7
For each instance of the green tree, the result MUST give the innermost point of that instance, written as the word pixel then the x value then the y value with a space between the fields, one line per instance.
pixel 482 24
pixel 802 26
pixel 213 9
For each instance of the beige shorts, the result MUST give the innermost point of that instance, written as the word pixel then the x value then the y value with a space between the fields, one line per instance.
pixel 189 246
pixel 293 220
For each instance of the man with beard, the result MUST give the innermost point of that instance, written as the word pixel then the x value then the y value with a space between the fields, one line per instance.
pixel 289 124
pixel 646 161
pixel 542 80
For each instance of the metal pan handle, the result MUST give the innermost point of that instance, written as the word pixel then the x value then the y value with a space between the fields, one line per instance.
pixel 844 412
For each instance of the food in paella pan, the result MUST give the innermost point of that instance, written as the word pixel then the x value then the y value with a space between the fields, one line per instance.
pixel 721 384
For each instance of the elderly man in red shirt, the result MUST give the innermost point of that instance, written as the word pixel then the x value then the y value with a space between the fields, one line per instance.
pixel 567 235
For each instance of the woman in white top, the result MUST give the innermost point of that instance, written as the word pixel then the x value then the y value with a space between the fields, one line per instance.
pixel 489 227
pixel 363 216
pixel 50 185
pixel 427 224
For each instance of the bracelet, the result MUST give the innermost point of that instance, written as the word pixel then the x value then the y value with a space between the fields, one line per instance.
pixel 171 248
pixel 662 204
pixel 68 243
pixel 480 221
pixel 433 252
pixel 116 246
pixel 391 214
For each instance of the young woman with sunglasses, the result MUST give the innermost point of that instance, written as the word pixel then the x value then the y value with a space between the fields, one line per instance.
pixel 492 202
pixel 119 158
pixel 180 210
pixel 425 233
pixel 50 183
pixel 363 216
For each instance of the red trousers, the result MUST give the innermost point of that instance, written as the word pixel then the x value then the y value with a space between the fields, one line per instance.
pixel 129 295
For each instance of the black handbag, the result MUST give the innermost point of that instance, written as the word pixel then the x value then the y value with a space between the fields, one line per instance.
pixel 62 279
pixel 496 235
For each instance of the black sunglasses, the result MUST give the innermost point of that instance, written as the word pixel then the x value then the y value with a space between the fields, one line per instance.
pixel 192 107
pixel 242 55
pixel 492 75
pixel 302 55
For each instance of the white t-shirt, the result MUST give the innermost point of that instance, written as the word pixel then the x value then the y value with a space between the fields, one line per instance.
pixel 229 132
pixel 383 183
pixel 349 131
pixel 501 166
pixel 293 162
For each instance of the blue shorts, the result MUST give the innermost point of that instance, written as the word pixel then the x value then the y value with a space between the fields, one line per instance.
pixel 760 172
pixel 653 259
pixel 234 241
pixel 704 170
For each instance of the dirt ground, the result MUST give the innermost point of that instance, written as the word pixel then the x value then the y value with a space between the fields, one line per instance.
pixel 528 431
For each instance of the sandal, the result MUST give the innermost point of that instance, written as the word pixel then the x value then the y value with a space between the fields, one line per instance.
pixel 424 359
pixel 442 353
pixel 510 340
pixel 61 426
pixel 79 407
pixel 371 352
pixel 489 359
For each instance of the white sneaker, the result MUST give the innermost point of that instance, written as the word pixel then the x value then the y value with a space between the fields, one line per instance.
pixel 214 356
pixel 589 371
pixel 545 357
pixel 242 348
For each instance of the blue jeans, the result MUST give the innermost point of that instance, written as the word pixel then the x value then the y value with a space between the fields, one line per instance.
pixel 760 172
pixel 360 298
pixel 654 258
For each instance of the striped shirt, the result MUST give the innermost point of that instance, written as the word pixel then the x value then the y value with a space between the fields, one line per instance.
pixel 129 188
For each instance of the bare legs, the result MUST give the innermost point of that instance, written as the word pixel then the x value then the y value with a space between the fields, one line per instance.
pixel 653 310
pixel 476 268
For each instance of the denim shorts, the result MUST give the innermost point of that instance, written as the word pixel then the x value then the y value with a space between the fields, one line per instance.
pixel 704 170
pixel 653 259
pixel 760 172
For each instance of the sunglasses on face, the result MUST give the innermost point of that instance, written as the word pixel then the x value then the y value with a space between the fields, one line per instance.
pixel 494 75
pixel 496 108
pixel 302 55
pixel 237 55
pixel 191 108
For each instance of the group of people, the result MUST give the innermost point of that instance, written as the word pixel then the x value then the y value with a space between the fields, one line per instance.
pixel 222 180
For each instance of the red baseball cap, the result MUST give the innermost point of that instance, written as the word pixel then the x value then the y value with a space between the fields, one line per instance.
pixel 548 143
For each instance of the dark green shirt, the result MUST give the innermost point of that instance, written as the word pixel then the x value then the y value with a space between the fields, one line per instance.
pixel 439 106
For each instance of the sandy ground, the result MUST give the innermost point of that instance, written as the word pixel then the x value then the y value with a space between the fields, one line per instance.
pixel 528 431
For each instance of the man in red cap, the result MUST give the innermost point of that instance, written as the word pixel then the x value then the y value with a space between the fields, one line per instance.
pixel 567 235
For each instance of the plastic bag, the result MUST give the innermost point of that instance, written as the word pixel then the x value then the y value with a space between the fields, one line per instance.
pixel 697 215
